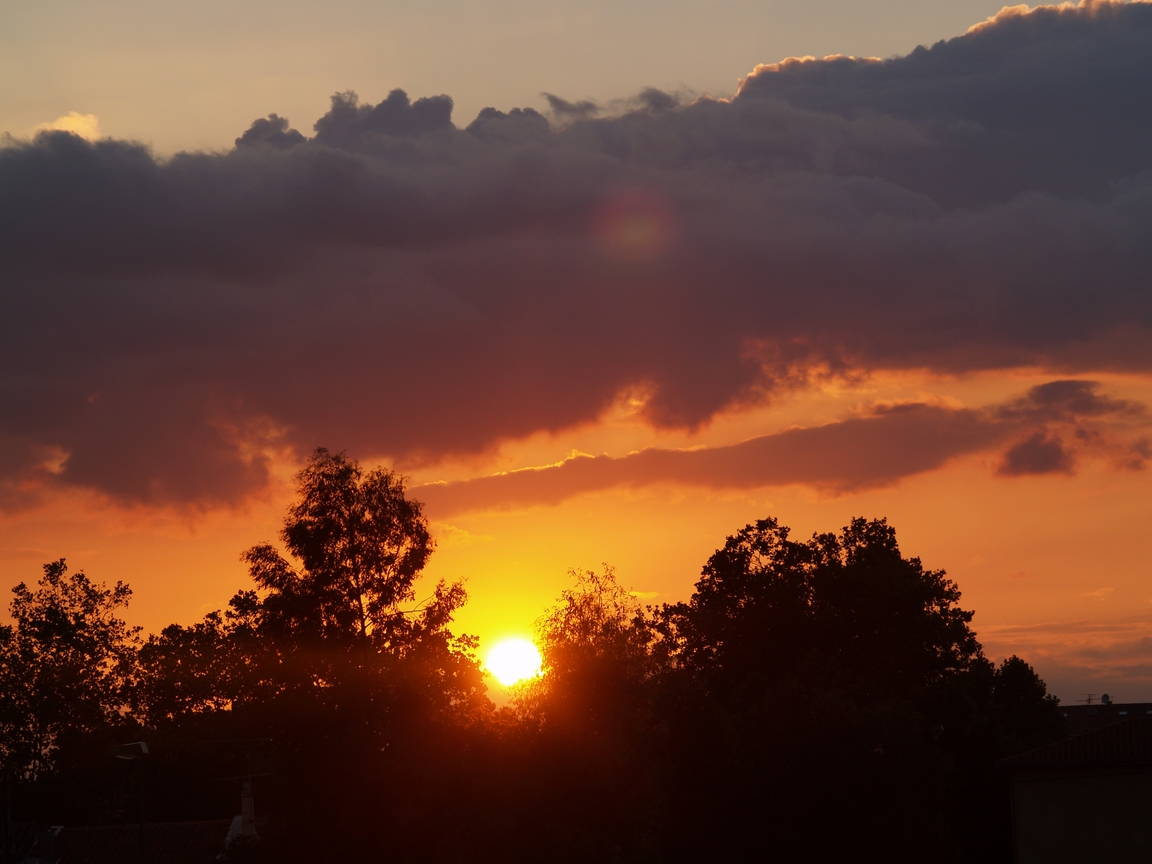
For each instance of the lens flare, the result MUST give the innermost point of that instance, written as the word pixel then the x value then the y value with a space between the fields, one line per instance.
pixel 635 224
pixel 513 660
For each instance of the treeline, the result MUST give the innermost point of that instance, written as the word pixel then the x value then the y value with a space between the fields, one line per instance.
pixel 820 700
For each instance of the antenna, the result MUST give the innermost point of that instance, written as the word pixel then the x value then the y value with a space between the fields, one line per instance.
pixel 1088 698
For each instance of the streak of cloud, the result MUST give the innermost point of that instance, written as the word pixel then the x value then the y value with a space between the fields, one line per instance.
pixel 877 449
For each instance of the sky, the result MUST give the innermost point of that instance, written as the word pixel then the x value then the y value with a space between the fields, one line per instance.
pixel 183 75
pixel 605 282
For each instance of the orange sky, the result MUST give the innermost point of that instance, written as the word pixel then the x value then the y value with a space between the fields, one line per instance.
pixel 1056 566
pixel 611 325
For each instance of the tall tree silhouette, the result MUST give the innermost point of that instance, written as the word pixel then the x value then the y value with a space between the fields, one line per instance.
pixel 353 676
pixel 360 544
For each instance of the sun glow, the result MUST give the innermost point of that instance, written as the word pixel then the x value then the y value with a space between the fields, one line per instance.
pixel 513 660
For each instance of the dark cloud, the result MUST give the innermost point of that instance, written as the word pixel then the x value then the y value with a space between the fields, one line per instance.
pixel 1039 453
pixel 273 131
pixel 1070 406
pixel 657 100
pixel 565 110
pixel 876 449
pixel 511 127
pixel 406 288
pixel 855 453
pixel 1043 100
pixel 1067 400
pixel 350 125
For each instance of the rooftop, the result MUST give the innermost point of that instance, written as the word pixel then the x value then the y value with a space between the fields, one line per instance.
pixel 1088 718
pixel 1126 742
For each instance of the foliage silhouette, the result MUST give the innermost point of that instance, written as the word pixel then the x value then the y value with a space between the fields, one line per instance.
pixel 360 542
pixel 590 726
pixel 65 671
pixel 811 701
pixel 65 665
pixel 846 606
pixel 832 676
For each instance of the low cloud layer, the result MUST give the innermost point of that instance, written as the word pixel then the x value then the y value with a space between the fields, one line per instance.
pixel 406 287
pixel 1081 656
pixel 1046 432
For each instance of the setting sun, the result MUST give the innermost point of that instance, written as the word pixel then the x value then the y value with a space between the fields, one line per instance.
pixel 513 660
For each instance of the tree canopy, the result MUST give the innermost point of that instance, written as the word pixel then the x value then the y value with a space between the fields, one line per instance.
pixel 64 666
pixel 844 605
pixel 360 544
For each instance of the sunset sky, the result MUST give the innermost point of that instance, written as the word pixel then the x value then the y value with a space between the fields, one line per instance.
pixel 605 281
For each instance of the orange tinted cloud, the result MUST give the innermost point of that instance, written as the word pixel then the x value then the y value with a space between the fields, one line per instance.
pixel 877 449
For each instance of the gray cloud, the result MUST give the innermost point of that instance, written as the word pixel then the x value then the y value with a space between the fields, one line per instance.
pixel 403 287
pixel 1068 400
pixel 566 110
pixel 273 131
pixel 851 454
pixel 349 125
pixel 878 448
pixel 1039 453
pixel 1018 104
pixel 1061 415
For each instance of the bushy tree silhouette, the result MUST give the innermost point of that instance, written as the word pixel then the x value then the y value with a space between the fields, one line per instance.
pixel 64 667
pixel 590 727
pixel 594 647
pixel 847 605
pixel 830 676
pixel 332 657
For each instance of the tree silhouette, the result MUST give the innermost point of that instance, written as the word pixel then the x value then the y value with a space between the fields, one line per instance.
pixel 354 678
pixel 751 616
pixel 196 669
pixel 360 543
pixel 823 672
pixel 595 769
pixel 594 647
pixel 813 700
pixel 846 605
pixel 64 667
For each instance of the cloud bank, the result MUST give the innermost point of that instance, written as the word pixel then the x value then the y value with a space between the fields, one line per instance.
pixel 1048 430
pixel 401 286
